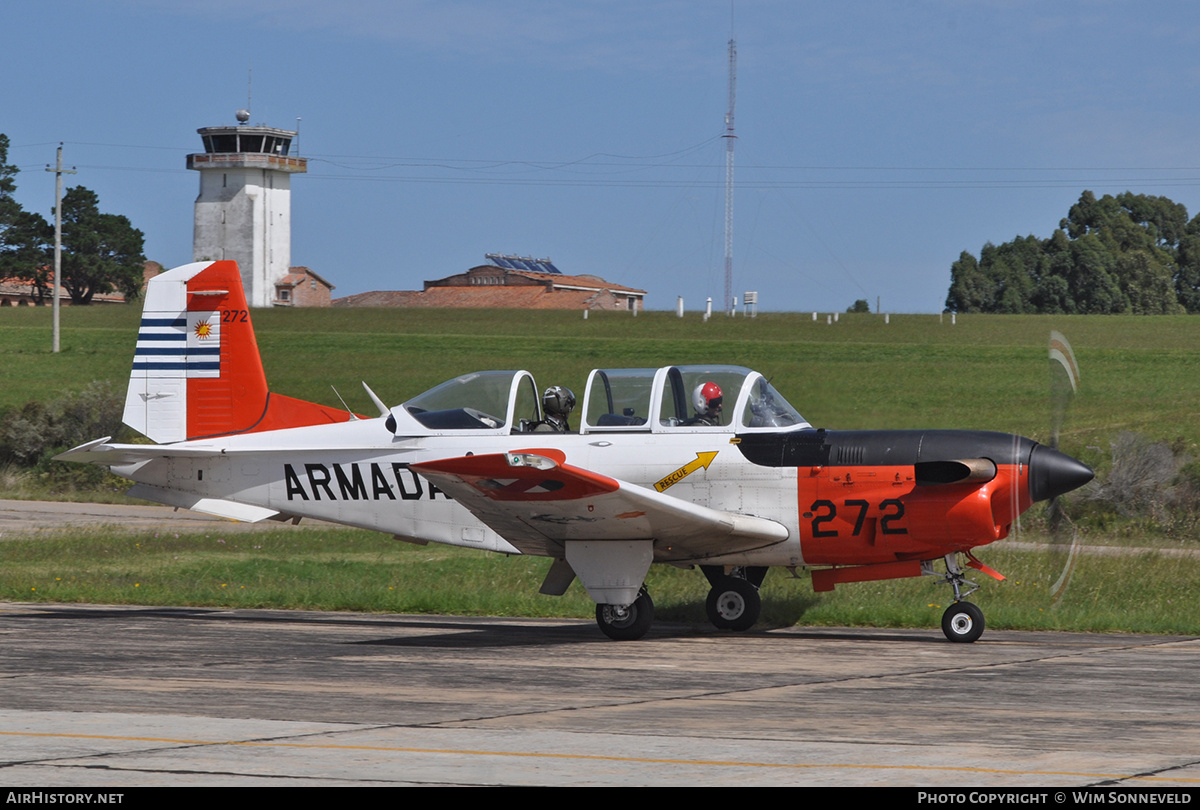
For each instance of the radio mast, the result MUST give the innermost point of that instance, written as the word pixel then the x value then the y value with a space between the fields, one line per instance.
pixel 730 138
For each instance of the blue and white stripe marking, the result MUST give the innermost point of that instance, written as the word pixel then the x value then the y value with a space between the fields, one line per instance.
pixel 183 345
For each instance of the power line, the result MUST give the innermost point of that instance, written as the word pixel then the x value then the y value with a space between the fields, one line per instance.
pixel 621 160
pixel 584 180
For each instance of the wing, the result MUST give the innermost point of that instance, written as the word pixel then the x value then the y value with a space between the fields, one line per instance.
pixel 535 500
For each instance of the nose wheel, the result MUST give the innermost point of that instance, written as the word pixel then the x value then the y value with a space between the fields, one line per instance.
pixel 962 622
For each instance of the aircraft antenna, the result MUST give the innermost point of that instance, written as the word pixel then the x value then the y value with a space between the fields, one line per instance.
pixel 353 415
pixel 730 138
pixel 383 409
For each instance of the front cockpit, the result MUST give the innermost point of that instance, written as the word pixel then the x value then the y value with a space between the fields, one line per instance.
pixel 492 401
pixel 664 400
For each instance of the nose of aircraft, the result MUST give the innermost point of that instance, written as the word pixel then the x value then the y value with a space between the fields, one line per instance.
pixel 1052 473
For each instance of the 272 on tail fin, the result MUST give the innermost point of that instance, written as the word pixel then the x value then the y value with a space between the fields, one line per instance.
pixel 197 372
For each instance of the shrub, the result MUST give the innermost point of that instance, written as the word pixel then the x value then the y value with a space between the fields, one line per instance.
pixel 1152 485
pixel 37 430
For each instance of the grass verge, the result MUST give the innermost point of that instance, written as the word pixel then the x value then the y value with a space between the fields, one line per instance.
pixel 1141 592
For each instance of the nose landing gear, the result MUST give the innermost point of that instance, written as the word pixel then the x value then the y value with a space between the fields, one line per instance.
pixel 963 621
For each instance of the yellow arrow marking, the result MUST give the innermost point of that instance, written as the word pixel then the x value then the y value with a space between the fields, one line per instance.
pixel 702 460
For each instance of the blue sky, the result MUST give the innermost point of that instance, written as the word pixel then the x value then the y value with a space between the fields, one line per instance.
pixel 876 140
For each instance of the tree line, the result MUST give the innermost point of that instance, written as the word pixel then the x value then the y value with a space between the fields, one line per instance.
pixel 1131 253
pixel 101 253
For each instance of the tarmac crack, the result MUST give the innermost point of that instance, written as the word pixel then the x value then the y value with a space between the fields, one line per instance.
pixel 1154 774
pixel 848 680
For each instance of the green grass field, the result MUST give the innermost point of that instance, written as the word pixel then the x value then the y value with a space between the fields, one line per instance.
pixel 1139 374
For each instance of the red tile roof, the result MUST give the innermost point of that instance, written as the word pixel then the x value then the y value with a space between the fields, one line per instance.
pixel 500 290
pixel 590 282
pixel 298 276
pixel 473 298
pixel 20 287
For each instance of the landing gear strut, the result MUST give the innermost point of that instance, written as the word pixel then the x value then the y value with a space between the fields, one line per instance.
pixel 627 623
pixel 963 621
pixel 733 602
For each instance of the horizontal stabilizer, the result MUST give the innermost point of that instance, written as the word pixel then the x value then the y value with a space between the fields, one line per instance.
pixel 110 455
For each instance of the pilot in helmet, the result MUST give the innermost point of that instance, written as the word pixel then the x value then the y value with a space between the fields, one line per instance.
pixel 706 398
pixel 557 403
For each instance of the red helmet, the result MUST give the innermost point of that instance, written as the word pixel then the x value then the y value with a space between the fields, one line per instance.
pixel 707 398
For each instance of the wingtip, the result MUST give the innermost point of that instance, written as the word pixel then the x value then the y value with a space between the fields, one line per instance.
pixel 80 453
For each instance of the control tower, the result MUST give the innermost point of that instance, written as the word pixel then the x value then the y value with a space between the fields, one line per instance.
pixel 244 211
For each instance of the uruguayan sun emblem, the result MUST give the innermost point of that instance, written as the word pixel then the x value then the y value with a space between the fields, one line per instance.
pixel 203 330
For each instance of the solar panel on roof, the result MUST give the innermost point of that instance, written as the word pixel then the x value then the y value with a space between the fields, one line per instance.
pixel 526 263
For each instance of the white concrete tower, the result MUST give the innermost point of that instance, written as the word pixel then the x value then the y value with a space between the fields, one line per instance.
pixel 244 211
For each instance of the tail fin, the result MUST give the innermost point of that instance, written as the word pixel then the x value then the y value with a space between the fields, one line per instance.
pixel 197 372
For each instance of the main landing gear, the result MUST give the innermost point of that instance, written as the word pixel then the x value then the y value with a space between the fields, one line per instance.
pixel 626 623
pixel 963 621
pixel 733 602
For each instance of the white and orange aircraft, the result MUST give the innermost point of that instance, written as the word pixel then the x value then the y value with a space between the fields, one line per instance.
pixel 641 481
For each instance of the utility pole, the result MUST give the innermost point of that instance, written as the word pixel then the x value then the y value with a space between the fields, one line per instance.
pixel 59 171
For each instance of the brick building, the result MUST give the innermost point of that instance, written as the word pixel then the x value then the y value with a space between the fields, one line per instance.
pixel 302 287
pixel 509 282
pixel 16 292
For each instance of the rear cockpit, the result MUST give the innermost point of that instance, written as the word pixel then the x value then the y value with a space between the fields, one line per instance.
pixel 680 398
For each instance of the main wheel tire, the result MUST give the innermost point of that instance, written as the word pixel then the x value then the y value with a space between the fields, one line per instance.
pixel 733 604
pixel 962 622
pixel 626 624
